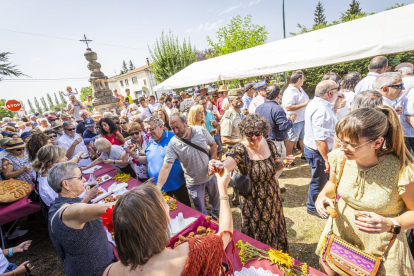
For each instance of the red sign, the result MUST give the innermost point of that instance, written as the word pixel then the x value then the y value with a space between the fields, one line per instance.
pixel 13 105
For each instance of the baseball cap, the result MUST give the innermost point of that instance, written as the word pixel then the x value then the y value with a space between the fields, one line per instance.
pixel 25 134
pixel 197 92
pixel 52 118
pixel 261 84
pixel 5 133
pixel 248 87
pixel 89 122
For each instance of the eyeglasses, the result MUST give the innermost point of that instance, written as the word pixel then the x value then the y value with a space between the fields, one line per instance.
pixel 19 149
pixel 150 129
pixel 399 86
pixel 257 134
pixel 336 88
pixel 175 102
pixel 52 136
pixel 78 177
pixel 117 123
pixel 124 123
pixel 349 146
pixel 135 133
pixel 70 129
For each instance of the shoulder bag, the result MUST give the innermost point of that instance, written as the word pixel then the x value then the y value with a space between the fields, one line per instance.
pixel 242 182
pixel 193 145
pixel 346 259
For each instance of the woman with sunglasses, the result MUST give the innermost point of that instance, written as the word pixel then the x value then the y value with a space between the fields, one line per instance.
pixel 123 126
pixel 140 142
pixel 111 132
pixel 262 210
pixel 376 188
pixel 52 136
pixel 16 164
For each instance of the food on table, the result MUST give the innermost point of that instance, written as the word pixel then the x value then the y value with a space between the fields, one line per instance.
pixel 285 161
pixel 201 232
pixel 208 218
pixel 111 198
pixel 120 176
pixel 12 190
pixel 99 192
pixel 99 179
pixel 95 169
pixel 107 177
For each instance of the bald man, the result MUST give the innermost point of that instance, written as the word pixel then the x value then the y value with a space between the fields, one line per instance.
pixel 320 122
pixel 377 66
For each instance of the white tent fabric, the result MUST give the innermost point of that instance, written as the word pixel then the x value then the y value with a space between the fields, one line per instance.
pixel 383 33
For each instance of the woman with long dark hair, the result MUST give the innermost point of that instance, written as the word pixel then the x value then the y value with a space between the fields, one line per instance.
pixel 111 132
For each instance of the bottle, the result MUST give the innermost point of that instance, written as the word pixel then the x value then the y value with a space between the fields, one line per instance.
pixel 92 180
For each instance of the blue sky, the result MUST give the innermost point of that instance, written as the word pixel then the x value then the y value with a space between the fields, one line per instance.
pixel 134 24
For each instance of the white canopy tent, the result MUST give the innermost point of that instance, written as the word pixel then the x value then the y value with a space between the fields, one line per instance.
pixel 380 34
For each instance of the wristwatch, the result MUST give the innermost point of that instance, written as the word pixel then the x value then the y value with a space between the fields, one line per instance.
pixel 396 228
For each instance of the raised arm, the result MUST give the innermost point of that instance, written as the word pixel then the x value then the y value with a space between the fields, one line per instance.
pixel 77 214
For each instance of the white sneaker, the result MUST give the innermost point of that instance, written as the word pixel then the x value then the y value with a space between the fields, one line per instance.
pixel 17 233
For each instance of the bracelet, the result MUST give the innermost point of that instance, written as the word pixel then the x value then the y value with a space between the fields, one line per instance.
pixel 224 197
pixel 14 273
pixel 10 251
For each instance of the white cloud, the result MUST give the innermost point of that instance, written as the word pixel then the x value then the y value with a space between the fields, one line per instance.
pixel 229 9
pixel 254 2
pixel 206 27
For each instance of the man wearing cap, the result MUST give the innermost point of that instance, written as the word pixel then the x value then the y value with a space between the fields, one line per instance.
pixel 294 101
pixel 203 91
pixel 222 92
pixel 57 128
pixel 196 94
pixel 20 126
pixel 247 97
pixel 377 66
pixel 25 136
pixel 65 117
pixel 260 98
pixel 74 107
pixel 90 132
pixel 80 127
pixel 73 143
pixel 128 97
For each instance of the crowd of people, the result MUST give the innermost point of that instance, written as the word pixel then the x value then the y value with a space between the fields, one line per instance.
pixel 177 144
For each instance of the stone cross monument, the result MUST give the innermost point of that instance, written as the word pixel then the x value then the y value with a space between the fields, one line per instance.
pixel 103 99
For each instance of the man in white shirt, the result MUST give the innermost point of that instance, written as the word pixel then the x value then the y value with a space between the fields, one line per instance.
pixel 320 122
pixel 144 108
pixel 295 100
pixel 377 66
pixel 406 69
pixel 390 86
pixel 260 98
pixel 152 104
pixel 73 143
pixel 168 106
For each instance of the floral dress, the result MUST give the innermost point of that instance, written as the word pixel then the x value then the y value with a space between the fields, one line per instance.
pixel 376 190
pixel 262 211
pixel 21 162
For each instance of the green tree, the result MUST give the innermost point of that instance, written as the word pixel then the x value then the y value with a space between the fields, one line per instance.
pixel 49 100
pixel 396 5
pixel 124 68
pixel 43 101
pixel 32 110
pixel 320 18
pixel 6 68
pixel 56 99
pixel 240 34
pixel 85 91
pixel 353 12
pixel 39 109
pixel 62 98
pixel 131 65
pixel 4 112
pixel 169 56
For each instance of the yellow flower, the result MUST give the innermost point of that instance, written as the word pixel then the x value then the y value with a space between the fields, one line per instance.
pixel 304 268
pixel 280 258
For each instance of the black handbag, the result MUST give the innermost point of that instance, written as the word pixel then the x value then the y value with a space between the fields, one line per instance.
pixel 34 195
pixel 242 182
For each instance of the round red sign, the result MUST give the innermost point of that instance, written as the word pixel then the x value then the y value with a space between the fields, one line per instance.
pixel 13 105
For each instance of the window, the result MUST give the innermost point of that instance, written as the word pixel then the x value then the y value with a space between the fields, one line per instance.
pixel 122 83
pixel 145 82
pixel 134 80
pixel 126 82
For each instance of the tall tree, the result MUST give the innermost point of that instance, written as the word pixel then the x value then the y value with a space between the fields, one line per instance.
pixel 6 68
pixel 32 110
pixel 240 34
pixel 169 56
pixel 23 105
pixel 43 101
pixel 131 65
pixel 124 68
pixel 39 109
pixel 62 98
pixel 353 12
pixel 85 91
pixel 49 100
pixel 56 99
pixel 320 18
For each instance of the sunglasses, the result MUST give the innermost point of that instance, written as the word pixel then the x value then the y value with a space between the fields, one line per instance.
pixel 70 129
pixel 399 86
pixel 52 136
pixel 135 133
pixel 118 123
pixel 257 134
pixel 19 149
pixel 175 102
pixel 124 123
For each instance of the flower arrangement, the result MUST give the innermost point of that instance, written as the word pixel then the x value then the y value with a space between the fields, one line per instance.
pixel 107 219
pixel 172 202
pixel 120 176
pixel 277 257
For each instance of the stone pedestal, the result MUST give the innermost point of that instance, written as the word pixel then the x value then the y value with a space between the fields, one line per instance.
pixel 103 99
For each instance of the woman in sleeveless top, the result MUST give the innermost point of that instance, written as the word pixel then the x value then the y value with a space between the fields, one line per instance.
pixel 110 131
pixel 76 228
pixel 140 219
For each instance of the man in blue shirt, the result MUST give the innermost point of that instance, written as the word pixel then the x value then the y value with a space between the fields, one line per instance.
pixel 320 122
pixel 279 123
pixel 90 132
pixel 247 97
pixel 155 153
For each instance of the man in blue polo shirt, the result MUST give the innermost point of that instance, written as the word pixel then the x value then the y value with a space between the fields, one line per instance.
pixel 155 153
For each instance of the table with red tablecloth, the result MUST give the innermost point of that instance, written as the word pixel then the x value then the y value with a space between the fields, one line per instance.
pixel 190 212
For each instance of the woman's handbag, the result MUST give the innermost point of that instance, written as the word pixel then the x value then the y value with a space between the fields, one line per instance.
pixel 242 182
pixel 346 259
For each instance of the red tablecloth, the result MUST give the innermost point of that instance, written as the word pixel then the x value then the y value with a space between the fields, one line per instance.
pixel 13 211
pixel 105 169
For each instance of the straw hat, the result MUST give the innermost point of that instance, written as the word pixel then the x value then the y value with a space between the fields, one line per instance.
pixel 223 88
pixel 97 114
pixel 19 124
pixel 56 123
pixel 14 143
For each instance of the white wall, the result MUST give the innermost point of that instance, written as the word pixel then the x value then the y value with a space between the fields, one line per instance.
pixel 145 83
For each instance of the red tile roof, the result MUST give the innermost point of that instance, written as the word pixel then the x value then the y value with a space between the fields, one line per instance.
pixel 129 72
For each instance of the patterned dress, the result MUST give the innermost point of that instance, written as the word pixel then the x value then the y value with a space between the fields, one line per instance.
pixel 262 211
pixel 377 190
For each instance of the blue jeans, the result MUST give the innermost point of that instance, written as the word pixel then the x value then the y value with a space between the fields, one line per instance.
pixel 319 177
pixel 197 194
pixel 10 268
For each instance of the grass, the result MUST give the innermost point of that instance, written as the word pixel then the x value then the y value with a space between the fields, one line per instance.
pixel 304 230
